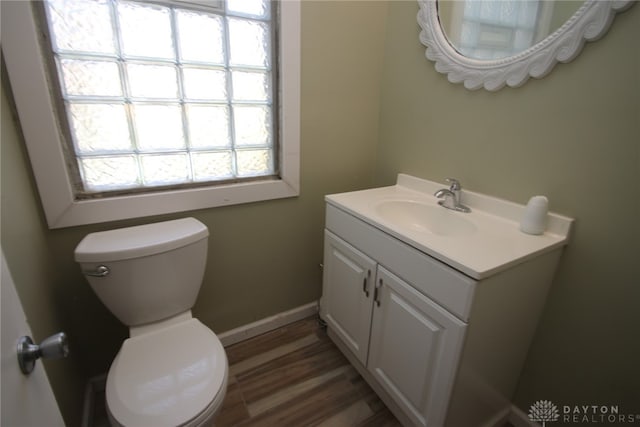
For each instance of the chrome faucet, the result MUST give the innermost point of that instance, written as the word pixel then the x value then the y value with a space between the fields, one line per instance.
pixel 451 196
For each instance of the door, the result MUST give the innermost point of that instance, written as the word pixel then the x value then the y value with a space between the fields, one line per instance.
pixel 414 350
pixel 347 293
pixel 26 400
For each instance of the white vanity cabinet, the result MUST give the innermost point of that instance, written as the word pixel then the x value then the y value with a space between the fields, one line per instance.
pixel 440 347
pixel 413 349
pixel 349 277
pixel 408 343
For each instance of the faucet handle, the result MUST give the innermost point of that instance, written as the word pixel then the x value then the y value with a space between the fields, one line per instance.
pixel 455 184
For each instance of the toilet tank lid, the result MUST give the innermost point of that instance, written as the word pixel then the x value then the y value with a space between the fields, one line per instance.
pixel 139 241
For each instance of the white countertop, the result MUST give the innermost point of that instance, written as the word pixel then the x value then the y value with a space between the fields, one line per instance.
pixel 496 244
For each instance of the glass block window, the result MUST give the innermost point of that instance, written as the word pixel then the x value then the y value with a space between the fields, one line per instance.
pixel 166 92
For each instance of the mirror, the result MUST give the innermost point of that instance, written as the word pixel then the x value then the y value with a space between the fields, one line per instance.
pixel 496 29
pixel 493 43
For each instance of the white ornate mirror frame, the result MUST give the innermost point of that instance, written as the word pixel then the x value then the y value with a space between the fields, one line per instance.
pixel 590 22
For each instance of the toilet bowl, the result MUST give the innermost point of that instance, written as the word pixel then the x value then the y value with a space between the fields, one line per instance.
pixel 174 375
pixel 172 370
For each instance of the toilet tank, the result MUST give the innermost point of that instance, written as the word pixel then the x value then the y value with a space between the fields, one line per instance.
pixel 146 273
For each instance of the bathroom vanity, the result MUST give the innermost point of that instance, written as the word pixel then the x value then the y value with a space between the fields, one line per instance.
pixel 436 308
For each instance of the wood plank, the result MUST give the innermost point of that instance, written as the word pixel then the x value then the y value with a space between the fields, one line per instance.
pixel 267 356
pixel 295 376
pixel 285 371
pixel 271 340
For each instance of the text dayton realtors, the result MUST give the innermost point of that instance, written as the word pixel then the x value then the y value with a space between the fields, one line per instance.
pixel 596 414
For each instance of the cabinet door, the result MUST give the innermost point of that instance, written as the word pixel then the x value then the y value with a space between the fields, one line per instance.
pixel 414 351
pixel 347 293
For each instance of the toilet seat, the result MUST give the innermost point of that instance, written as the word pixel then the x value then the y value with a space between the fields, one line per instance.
pixel 173 376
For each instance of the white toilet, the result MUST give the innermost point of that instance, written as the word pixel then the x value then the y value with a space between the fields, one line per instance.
pixel 172 370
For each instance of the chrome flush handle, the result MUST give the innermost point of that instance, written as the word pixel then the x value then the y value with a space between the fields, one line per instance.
pixel 100 271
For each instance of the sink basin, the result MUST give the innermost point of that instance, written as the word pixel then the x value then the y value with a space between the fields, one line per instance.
pixel 425 218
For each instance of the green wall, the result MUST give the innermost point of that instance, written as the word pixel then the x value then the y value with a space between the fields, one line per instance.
pixel 263 257
pixel 573 136
pixel 28 254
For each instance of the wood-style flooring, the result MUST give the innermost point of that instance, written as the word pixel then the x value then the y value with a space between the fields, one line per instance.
pixel 295 376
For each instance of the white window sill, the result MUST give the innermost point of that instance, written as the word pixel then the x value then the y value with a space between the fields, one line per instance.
pixel 96 211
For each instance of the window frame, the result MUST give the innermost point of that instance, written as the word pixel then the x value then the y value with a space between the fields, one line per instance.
pixel 35 104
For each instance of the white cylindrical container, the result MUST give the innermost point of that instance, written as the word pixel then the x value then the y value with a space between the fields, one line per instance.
pixel 534 220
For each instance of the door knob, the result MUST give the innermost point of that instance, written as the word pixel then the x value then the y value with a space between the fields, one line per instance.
pixel 54 347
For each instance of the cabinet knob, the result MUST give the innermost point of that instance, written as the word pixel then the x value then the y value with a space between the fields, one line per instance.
pixel 376 298
pixel 365 284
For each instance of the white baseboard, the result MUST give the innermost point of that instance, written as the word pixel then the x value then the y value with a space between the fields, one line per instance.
pixel 265 325
pixel 519 418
